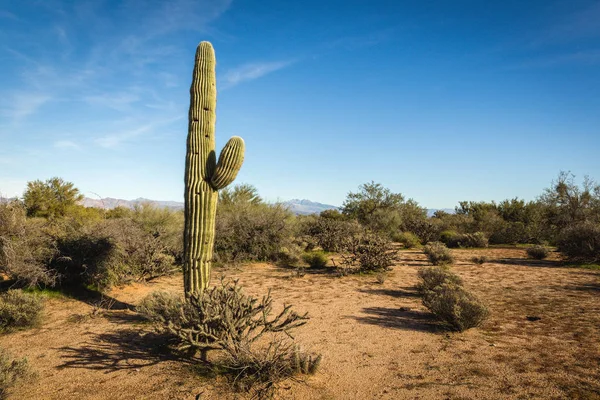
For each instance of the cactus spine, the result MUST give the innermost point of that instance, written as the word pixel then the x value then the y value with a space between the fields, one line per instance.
pixel 204 176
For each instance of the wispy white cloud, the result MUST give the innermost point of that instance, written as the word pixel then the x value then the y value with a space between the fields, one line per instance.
pixel 117 101
pixel 114 140
pixel 251 71
pixel 66 144
pixel 23 104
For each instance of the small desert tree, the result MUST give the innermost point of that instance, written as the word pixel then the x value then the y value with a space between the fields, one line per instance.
pixel 51 198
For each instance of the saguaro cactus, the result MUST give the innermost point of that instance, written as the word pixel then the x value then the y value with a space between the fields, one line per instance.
pixel 204 176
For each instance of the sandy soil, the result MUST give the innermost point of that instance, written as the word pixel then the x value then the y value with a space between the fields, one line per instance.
pixel 377 340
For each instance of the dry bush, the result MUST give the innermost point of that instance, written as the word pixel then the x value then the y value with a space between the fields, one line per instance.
pixel 252 232
pixel 581 242
pixel 455 306
pixel 369 252
pixel 111 252
pixel 259 371
pixel 329 233
pixel 438 253
pixel 25 247
pixel 221 318
pixel 432 277
pixel 538 252
pixel 477 239
pixel 161 307
pixel 289 256
pixel 315 259
pixel 19 310
pixel 11 372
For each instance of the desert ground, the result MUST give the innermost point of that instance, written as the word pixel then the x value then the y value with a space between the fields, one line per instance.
pixel 377 340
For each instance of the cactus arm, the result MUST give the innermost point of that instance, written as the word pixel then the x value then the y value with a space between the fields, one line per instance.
pixel 230 162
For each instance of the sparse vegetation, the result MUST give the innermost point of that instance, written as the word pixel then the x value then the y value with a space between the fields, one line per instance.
pixel 315 259
pixel 455 306
pixel 369 252
pixel 408 239
pixel 438 253
pixel 19 310
pixel 432 277
pixel 538 252
pixel 12 372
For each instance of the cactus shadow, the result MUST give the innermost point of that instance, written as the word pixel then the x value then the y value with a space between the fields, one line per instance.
pixel 121 350
pixel 399 318
pixel 406 292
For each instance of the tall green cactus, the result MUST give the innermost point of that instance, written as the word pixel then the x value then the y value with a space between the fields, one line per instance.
pixel 204 176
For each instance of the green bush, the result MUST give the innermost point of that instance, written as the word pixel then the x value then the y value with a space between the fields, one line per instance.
pixel 432 277
pixel 450 238
pixel 581 242
pixel 369 252
pixel 11 372
pixel 316 259
pixel 408 239
pixel 455 306
pixel 19 310
pixel 538 252
pixel 438 253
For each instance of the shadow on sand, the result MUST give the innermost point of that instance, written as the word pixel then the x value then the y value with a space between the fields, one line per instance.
pixel 122 350
pixel 399 318
pixel 406 292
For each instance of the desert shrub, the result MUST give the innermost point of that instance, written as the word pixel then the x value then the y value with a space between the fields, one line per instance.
pixel 25 247
pixel 369 252
pixel 161 307
pixel 438 253
pixel 581 242
pixel 329 233
pixel 408 239
pixel 109 253
pixel 316 259
pixel 479 259
pixel 432 277
pixel 11 372
pixel 453 239
pixel 455 306
pixel 221 318
pixel 289 256
pixel 477 239
pixel 450 238
pixel 19 310
pixel 258 372
pixel 165 226
pixel 248 231
pixel 538 252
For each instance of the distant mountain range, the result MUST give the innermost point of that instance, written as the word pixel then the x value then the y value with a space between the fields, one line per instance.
pixel 297 206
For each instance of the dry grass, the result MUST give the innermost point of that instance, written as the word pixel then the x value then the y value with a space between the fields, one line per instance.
pixel 377 340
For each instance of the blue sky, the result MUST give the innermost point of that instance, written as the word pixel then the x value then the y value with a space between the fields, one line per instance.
pixel 440 100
